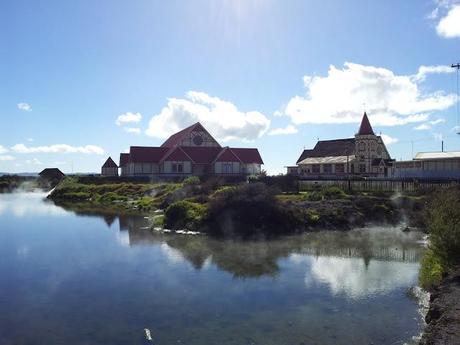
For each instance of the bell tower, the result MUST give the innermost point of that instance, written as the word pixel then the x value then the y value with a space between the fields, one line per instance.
pixel 367 144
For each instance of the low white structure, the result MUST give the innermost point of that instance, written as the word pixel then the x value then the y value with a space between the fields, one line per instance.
pixel 430 165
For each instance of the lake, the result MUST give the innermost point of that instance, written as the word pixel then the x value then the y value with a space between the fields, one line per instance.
pixel 80 278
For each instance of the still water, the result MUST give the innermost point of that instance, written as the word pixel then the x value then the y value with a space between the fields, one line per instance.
pixel 80 278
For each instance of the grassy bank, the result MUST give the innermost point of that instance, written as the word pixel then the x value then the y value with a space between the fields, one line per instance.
pixel 443 226
pixel 239 209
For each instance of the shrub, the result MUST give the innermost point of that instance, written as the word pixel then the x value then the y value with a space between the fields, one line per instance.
pixel 184 214
pixel 431 270
pixel 333 192
pixel 159 221
pixel 443 220
pixel 250 209
pixel 192 181
pixel 145 203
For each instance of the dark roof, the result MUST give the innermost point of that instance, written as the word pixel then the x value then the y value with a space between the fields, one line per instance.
pixel 330 148
pixel 124 159
pixel 198 155
pixel 144 154
pixel 304 155
pixel 227 155
pixel 176 154
pixel 109 163
pixel 202 155
pixel 248 155
pixel 176 138
pixel 51 173
pixel 365 128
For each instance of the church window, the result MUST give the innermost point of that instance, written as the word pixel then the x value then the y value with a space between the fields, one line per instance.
pixel 362 146
pixel 327 168
pixel 315 169
pixel 362 168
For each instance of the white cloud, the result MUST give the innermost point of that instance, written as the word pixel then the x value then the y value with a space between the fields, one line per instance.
pixel 423 71
pixel 134 130
pixel 128 118
pixel 388 140
pixel 3 149
pixel 437 121
pixel 222 118
pixel 6 158
pixel 422 127
pixel 34 161
pixel 390 99
pixel 428 125
pixel 449 25
pixel 289 129
pixel 24 106
pixel 58 148
pixel 30 140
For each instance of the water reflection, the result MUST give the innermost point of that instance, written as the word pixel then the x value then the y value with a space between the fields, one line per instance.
pixel 23 204
pixel 96 276
pixel 355 262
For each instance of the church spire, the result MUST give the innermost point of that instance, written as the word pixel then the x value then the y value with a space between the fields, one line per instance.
pixel 365 128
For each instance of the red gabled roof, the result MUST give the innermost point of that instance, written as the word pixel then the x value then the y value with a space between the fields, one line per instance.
pixel 176 138
pixel 109 163
pixel 144 154
pixel 365 128
pixel 176 154
pixel 202 155
pixel 227 155
pixel 248 155
pixel 124 159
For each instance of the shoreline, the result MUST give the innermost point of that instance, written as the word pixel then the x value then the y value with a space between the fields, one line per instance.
pixel 443 316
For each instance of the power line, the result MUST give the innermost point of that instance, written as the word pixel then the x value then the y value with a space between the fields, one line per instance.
pixel 457 66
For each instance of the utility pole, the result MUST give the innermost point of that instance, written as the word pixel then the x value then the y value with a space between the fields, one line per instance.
pixel 457 66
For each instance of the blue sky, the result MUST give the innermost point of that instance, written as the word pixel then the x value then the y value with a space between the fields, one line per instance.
pixel 276 75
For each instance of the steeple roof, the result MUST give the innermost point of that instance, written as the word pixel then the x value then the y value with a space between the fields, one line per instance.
pixel 365 128
pixel 109 163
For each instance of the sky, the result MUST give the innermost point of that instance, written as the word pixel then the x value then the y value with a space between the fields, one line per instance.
pixel 84 80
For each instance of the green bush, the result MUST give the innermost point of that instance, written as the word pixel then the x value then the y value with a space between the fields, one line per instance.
pixel 192 181
pixel 159 221
pixel 431 270
pixel 333 192
pixel 184 214
pixel 145 203
pixel 251 209
pixel 443 220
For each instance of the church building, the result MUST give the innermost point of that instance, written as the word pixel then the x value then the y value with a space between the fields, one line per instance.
pixel 363 155
pixel 191 151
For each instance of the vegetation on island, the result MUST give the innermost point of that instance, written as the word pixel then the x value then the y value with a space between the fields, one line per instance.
pixel 267 206
pixel 443 227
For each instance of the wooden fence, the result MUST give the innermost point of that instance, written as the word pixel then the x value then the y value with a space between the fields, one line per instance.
pixel 376 185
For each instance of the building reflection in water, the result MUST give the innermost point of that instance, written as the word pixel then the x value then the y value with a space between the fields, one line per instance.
pixel 356 263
